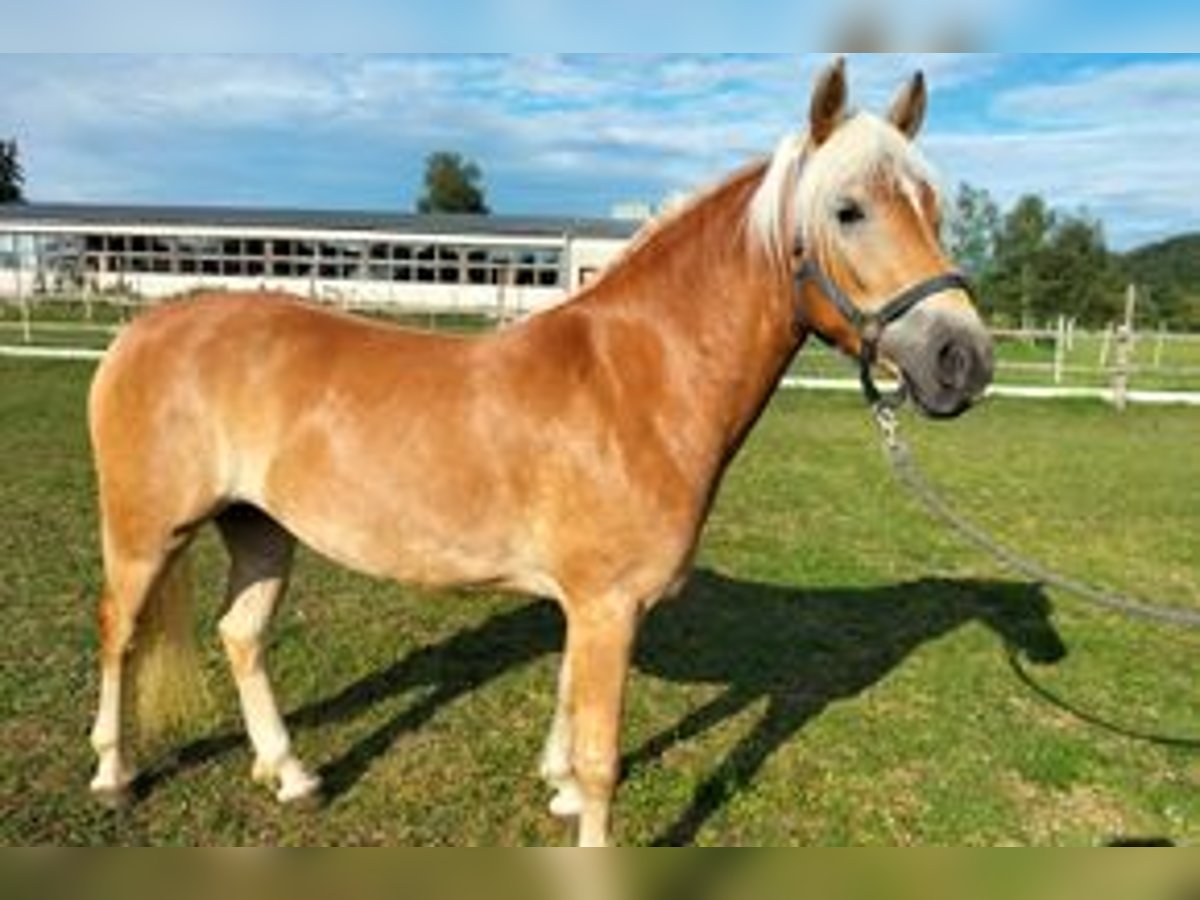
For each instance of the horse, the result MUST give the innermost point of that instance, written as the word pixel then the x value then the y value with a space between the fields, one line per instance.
pixel 573 456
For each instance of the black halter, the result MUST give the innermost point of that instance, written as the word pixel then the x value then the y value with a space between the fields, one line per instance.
pixel 870 325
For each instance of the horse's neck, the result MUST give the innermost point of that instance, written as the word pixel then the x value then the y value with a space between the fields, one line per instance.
pixel 720 312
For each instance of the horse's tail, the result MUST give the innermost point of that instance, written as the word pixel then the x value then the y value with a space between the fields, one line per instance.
pixel 168 688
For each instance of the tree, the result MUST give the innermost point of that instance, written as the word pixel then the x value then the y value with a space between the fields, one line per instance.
pixel 1078 276
pixel 453 184
pixel 971 232
pixel 1015 284
pixel 1046 264
pixel 12 179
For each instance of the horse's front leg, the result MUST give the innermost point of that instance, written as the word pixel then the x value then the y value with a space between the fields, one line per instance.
pixel 599 645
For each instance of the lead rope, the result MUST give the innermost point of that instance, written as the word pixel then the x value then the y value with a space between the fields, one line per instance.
pixel 909 474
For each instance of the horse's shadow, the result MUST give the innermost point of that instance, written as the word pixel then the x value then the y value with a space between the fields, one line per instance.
pixel 799 650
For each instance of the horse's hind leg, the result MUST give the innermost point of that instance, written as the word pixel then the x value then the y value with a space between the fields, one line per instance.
pixel 260 554
pixel 557 769
pixel 128 584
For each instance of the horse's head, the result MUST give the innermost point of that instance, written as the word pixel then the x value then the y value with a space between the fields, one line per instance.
pixel 873 278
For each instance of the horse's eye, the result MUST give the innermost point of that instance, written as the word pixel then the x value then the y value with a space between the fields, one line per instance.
pixel 850 213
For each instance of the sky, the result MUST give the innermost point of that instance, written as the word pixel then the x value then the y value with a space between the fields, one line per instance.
pixel 1115 136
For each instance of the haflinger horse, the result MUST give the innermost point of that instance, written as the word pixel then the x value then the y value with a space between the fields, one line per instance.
pixel 573 456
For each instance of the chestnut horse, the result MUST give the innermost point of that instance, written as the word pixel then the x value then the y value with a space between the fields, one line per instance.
pixel 574 456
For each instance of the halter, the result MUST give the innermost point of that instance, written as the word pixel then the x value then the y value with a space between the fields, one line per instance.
pixel 870 325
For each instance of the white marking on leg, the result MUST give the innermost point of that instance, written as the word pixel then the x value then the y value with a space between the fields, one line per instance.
pixel 112 776
pixel 118 609
pixel 241 631
pixel 556 769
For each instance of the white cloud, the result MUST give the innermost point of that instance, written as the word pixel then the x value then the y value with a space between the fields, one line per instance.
pixel 1112 138
pixel 1128 95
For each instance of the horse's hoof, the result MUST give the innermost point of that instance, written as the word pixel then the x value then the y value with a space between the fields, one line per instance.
pixel 304 795
pixel 264 774
pixel 114 799
pixel 311 802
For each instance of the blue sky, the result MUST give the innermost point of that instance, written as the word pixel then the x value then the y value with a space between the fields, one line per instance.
pixel 560 133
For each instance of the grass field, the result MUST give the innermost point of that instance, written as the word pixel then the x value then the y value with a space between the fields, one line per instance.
pixel 836 673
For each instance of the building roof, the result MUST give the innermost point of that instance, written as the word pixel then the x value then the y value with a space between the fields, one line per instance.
pixel 95 215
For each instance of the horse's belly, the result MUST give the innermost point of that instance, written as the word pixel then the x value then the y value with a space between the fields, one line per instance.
pixel 414 542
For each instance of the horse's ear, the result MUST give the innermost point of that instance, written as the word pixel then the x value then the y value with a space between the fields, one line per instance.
pixel 910 105
pixel 829 102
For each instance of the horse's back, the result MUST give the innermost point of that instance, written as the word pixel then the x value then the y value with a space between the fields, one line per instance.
pixel 373 444
pixel 268 349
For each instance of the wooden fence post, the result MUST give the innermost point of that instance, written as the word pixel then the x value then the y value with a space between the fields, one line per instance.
pixel 1106 345
pixel 1060 349
pixel 1124 366
pixel 22 299
pixel 1160 345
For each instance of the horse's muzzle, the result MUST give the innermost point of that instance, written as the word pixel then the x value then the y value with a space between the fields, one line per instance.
pixel 949 369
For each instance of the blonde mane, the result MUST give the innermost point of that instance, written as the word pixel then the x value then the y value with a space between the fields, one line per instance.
pixel 803 186
pixel 660 224
pixel 799 189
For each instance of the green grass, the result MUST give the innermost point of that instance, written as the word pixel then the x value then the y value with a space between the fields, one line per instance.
pixel 106 309
pixel 835 674
pixel 50 334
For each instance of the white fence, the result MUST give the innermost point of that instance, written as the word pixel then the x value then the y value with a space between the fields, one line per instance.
pixel 1019 392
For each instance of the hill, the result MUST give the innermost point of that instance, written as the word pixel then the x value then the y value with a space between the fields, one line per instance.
pixel 1171 271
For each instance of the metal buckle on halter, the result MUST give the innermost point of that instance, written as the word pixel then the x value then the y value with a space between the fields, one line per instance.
pixel 889 424
pixel 870 331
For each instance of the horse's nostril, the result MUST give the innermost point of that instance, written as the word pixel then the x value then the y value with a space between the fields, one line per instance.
pixel 954 366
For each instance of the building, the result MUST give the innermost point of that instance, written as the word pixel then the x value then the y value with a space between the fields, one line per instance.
pixel 504 265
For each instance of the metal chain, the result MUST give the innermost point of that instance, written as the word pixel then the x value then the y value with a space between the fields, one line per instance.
pixel 906 470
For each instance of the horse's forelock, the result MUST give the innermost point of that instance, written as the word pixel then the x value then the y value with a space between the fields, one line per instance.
pixel 802 185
